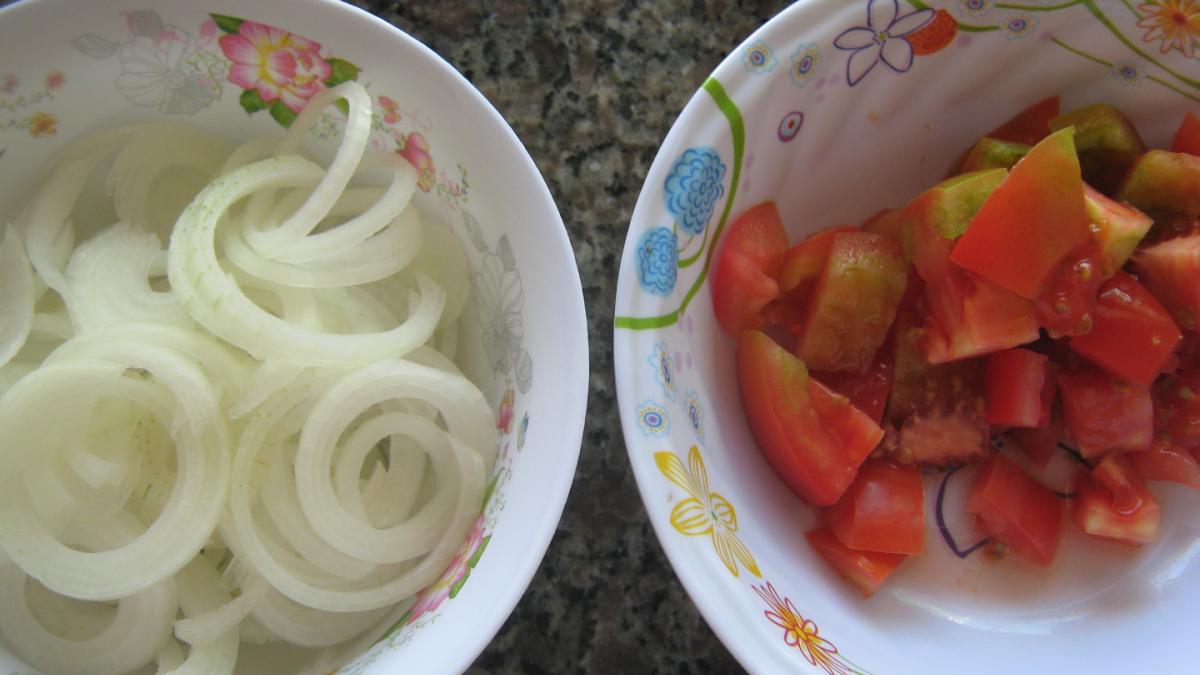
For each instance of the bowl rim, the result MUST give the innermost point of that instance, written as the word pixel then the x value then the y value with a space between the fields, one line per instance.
pixel 574 360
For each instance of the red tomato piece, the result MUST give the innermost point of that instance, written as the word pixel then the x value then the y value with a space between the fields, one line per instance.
pixel 815 440
pixel 854 302
pixel 803 263
pixel 1067 304
pixel 1030 125
pixel 1015 380
pixel 1039 445
pixel 1170 270
pixel 1113 503
pixel 1187 138
pixel 1032 221
pixel 864 569
pixel 1167 462
pixel 1017 510
pixel 744 278
pixel 883 511
pixel 1177 407
pixel 1118 229
pixel 1133 335
pixel 868 392
pixel 1105 414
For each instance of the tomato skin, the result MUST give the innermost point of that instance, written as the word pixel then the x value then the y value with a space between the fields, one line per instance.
pixel 1039 445
pixel 854 302
pixel 1177 407
pixel 882 511
pixel 1015 380
pixel 869 391
pixel 1106 141
pixel 1133 335
pixel 1170 269
pixel 803 263
pixel 1167 462
pixel 1187 137
pixel 1163 182
pixel 1017 510
pixel 815 440
pixel 992 153
pixel 1113 503
pixel 1030 125
pixel 1033 220
pixel 1118 228
pixel 1105 414
pixel 865 569
pixel 744 277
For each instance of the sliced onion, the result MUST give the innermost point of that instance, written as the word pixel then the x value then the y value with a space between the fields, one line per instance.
pixel 202 597
pixel 16 296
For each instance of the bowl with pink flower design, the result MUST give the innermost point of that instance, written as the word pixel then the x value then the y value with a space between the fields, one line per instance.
pixel 245 71
pixel 836 109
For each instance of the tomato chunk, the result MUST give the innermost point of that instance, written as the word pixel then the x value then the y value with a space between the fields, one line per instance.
pixel 992 153
pixel 1163 182
pixel 1033 220
pixel 869 391
pixel 1177 407
pixel 865 569
pixel 1030 125
pixel 1113 503
pixel 1187 137
pixel 854 302
pixel 1107 143
pixel 744 278
pixel 1039 445
pixel 1170 270
pixel 883 511
pixel 1118 228
pixel 1133 335
pixel 1167 462
pixel 815 440
pixel 1016 380
pixel 803 263
pixel 1017 510
pixel 1105 414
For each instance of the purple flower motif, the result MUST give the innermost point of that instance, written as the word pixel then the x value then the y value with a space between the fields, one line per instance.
pixel 882 39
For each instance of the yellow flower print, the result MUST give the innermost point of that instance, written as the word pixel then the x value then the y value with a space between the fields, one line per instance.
pixel 1175 22
pixel 42 124
pixel 802 633
pixel 705 512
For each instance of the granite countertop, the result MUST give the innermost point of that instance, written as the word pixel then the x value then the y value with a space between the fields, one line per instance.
pixel 591 87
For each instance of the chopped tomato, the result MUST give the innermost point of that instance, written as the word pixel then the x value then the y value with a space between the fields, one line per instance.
pixel 1032 221
pixel 864 569
pixel 1133 336
pixel 1030 125
pixel 1106 141
pixel 1167 462
pixel 1187 138
pixel 1170 269
pixel 1113 503
pixel 804 262
pixel 919 387
pixel 1039 445
pixel 1117 229
pixel 1162 182
pixel 743 281
pixel 814 439
pixel 942 439
pixel 869 391
pixel 883 511
pixel 854 302
pixel 1019 391
pixel 1177 407
pixel 1017 510
pixel 992 153
pixel 1105 414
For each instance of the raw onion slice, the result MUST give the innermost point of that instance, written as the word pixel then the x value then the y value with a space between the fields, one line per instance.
pixel 16 296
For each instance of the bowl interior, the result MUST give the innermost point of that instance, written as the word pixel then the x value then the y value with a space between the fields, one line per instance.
pixel 836 110
pixel 71 68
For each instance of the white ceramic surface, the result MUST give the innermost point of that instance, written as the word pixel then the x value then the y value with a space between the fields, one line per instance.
pixel 835 109
pixel 69 67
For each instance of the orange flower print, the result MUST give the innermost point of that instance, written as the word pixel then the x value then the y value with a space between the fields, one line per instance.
pixel 1175 23
pixel 802 633
pixel 55 79
pixel 42 125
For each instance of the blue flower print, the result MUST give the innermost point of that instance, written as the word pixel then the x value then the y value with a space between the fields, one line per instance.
pixel 657 258
pixel 882 39
pixel 653 420
pixel 693 187
pixel 664 369
pixel 696 414
pixel 759 58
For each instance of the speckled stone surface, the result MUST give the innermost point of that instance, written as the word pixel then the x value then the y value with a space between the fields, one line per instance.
pixel 591 87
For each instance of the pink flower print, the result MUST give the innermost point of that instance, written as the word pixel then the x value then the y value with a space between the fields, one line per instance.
pixel 278 65
pixel 55 79
pixel 504 418
pixel 208 32
pixel 391 110
pixel 460 566
pixel 9 83
pixel 415 149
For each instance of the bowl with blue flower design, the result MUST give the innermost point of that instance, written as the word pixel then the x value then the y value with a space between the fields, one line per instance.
pixel 244 70
pixel 835 109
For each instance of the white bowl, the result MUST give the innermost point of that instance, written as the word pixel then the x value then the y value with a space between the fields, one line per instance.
pixel 834 125
pixel 70 67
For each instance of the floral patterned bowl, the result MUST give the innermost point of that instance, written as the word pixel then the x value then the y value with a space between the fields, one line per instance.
pixel 836 108
pixel 68 67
